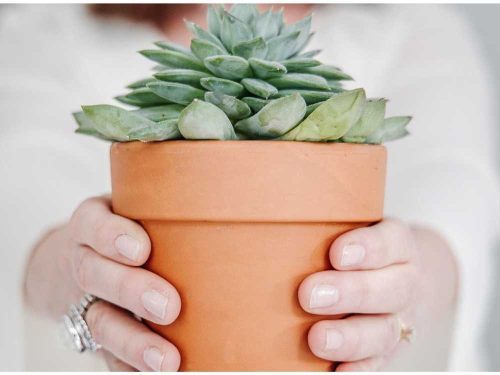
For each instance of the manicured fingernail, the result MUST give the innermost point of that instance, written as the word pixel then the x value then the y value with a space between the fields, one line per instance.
pixel 128 246
pixel 323 295
pixel 155 302
pixel 352 255
pixel 153 357
pixel 334 339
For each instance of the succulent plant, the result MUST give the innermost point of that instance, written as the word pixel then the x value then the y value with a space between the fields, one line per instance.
pixel 246 77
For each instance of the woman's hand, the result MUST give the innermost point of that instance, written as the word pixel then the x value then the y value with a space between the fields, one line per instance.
pixel 98 252
pixel 383 276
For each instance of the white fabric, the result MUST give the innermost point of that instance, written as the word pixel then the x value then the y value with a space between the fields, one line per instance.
pixel 424 58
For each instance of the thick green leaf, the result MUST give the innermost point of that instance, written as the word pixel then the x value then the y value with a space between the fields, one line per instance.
pixel 200 33
pixel 161 113
pixel 300 81
pixel 256 47
pixel 176 92
pixel 157 131
pixel 115 123
pixel 140 83
pixel 173 59
pixel 331 120
pixel 302 26
pixel 312 107
pixel 266 25
pixel 202 120
pixel 335 85
pixel 223 86
pixel 233 31
pixel 144 97
pixel 234 108
pixel 275 119
pixel 266 69
pixel 214 19
pixel 328 72
pixel 392 129
pixel 166 44
pixel 298 63
pixel 186 76
pixel 259 87
pixel 309 54
pixel 282 47
pixel 123 99
pixel 86 126
pixel 310 96
pixel 371 120
pixel 203 49
pixel 247 13
pixel 256 104
pixel 229 67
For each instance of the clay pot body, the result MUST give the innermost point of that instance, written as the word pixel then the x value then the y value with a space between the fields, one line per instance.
pixel 236 226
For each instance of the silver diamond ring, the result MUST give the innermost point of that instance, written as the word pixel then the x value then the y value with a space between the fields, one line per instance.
pixel 76 328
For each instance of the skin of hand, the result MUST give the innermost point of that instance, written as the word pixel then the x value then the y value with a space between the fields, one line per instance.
pixel 381 274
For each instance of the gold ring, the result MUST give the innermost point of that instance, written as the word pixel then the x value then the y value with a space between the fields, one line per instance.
pixel 406 333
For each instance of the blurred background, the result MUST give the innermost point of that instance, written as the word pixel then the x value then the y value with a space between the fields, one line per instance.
pixel 484 23
pixel 484 19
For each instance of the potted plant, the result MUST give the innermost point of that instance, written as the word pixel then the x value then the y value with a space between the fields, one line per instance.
pixel 243 160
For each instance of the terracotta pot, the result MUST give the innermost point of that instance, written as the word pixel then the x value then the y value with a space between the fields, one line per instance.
pixel 236 226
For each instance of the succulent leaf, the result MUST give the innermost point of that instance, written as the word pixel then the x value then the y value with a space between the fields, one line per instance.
pixel 266 69
pixel 173 59
pixel 166 44
pixel 266 25
pixel 86 126
pixel 223 86
pixel 115 123
pixel 161 113
pixel 256 47
pixel 245 12
pixel 255 104
pixel 234 108
pixel 310 96
pixel 298 63
pixel 393 128
pixel 140 83
pixel 176 92
pixel 275 119
pixel 229 67
pixel 371 120
pixel 282 47
pixel 328 71
pixel 234 31
pixel 203 49
pixel 186 76
pixel 157 131
pixel 310 54
pixel 331 120
pixel 200 33
pixel 300 81
pixel 302 26
pixel 202 120
pixel 259 87
pixel 311 107
pixel 214 19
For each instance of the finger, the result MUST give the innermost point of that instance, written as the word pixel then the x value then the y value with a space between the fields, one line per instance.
pixel 388 242
pixel 365 365
pixel 114 364
pixel 94 225
pixel 135 289
pixel 354 338
pixel 129 340
pixel 387 290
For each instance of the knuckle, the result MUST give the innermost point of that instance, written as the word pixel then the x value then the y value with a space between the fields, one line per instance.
pixel 121 289
pixel 97 318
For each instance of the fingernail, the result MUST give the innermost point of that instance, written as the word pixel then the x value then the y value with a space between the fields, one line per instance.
pixel 153 358
pixel 334 339
pixel 128 246
pixel 323 295
pixel 352 255
pixel 155 303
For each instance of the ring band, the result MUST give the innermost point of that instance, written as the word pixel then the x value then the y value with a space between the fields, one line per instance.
pixel 77 329
pixel 406 333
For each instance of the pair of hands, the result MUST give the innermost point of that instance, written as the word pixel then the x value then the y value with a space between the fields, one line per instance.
pixel 376 280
